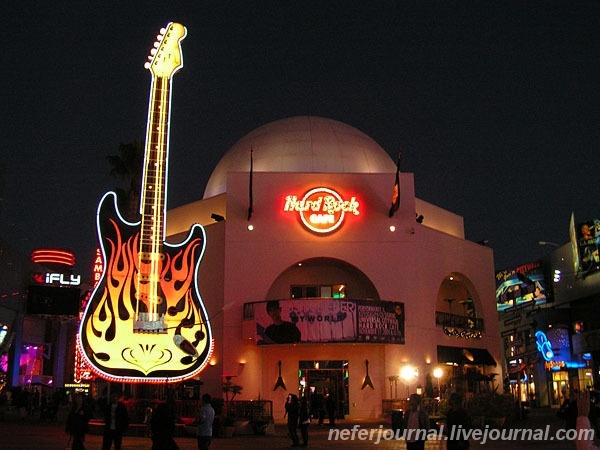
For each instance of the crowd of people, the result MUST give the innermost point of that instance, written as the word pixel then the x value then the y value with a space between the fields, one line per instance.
pixel 116 422
pixel 160 423
pixel 579 412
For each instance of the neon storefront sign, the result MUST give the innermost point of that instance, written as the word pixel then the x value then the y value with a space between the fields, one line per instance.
pixel 543 345
pixel 53 256
pixel 321 210
pixel 98 268
pixel 57 278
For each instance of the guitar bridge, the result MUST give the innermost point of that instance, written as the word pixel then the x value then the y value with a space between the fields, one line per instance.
pixel 149 323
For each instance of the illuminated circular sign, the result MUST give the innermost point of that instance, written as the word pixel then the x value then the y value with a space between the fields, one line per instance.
pixel 321 210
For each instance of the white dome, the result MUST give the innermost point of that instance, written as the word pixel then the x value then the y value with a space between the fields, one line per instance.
pixel 302 144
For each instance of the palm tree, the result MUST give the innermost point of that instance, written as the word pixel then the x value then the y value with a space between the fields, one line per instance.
pixel 128 165
pixel 230 388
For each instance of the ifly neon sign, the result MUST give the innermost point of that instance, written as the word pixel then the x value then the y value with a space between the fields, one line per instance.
pixel 321 210
pixel 57 278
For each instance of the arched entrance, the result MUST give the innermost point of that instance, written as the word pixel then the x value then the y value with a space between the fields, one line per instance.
pixel 458 309
pixel 313 281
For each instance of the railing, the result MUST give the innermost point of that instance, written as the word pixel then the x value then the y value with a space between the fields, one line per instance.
pixel 252 410
pixel 188 408
pixel 136 408
pixel 444 319
pixel 389 405
pixel 429 405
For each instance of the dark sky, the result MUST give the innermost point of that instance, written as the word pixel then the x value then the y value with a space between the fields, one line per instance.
pixel 496 107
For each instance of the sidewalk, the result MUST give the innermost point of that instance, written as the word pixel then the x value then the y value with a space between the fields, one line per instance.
pixel 32 435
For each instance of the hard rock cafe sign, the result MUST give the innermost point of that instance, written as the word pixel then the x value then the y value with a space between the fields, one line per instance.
pixel 321 210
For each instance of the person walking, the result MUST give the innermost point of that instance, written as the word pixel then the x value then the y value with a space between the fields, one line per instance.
pixel 571 410
pixel 456 418
pixel 206 417
pixel 292 411
pixel 304 421
pixel 331 406
pixel 318 405
pixel 116 422
pixel 77 422
pixel 416 424
pixel 162 426
pixel 148 421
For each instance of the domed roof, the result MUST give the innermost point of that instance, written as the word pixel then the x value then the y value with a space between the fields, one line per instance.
pixel 302 144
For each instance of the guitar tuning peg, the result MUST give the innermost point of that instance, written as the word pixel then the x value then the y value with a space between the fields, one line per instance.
pixel 156 44
pixel 153 51
pixel 146 65
pixel 163 31
pixel 159 37
pixel 150 57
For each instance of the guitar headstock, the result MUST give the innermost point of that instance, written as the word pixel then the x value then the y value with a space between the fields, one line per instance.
pixel 166 58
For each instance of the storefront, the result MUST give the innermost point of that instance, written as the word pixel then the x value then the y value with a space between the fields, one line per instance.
pixel 367 294
pixel 549 323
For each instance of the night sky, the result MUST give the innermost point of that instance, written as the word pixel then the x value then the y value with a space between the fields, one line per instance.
pixel 495 107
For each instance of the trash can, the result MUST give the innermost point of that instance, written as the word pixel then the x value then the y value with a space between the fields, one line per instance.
pixel 397 415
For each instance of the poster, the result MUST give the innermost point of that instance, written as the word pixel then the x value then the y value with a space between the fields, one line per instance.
pixel 588 240
pixel 328 320
pixel 380 322
pixel 523 284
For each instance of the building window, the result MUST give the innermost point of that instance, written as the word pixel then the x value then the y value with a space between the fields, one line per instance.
pixel 297 292
pixel 322 291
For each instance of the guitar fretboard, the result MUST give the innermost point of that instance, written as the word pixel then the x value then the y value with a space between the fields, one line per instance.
pixel 154 181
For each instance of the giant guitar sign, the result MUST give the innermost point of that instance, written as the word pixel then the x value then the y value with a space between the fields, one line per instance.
pixel 145 320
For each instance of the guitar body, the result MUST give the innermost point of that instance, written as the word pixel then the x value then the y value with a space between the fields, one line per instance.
pixel 108 336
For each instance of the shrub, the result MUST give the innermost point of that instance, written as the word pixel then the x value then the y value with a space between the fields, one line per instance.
pixel 490 404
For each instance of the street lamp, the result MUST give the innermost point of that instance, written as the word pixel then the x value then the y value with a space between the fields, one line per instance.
pixel 408 373
pixel 438 373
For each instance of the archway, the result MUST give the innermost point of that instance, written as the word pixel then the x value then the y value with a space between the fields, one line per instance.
pixel 322 278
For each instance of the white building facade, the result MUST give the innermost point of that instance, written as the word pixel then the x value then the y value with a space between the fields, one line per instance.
pixel 371 295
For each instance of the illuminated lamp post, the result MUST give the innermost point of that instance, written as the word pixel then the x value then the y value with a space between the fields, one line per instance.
pixel 408 373
pixel 438 373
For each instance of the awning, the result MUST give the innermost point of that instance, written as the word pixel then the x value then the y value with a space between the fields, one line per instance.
pixel 465 356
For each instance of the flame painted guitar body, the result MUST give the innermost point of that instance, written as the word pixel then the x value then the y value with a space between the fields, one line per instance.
pixel 145 321
pixel 115 349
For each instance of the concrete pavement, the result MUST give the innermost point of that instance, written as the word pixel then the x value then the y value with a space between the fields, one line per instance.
pixel 30 434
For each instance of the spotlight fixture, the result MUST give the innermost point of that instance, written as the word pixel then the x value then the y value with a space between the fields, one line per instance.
pixel 217 217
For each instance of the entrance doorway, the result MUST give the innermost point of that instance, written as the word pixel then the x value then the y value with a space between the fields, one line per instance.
pixel 559 389
pixel 327 378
